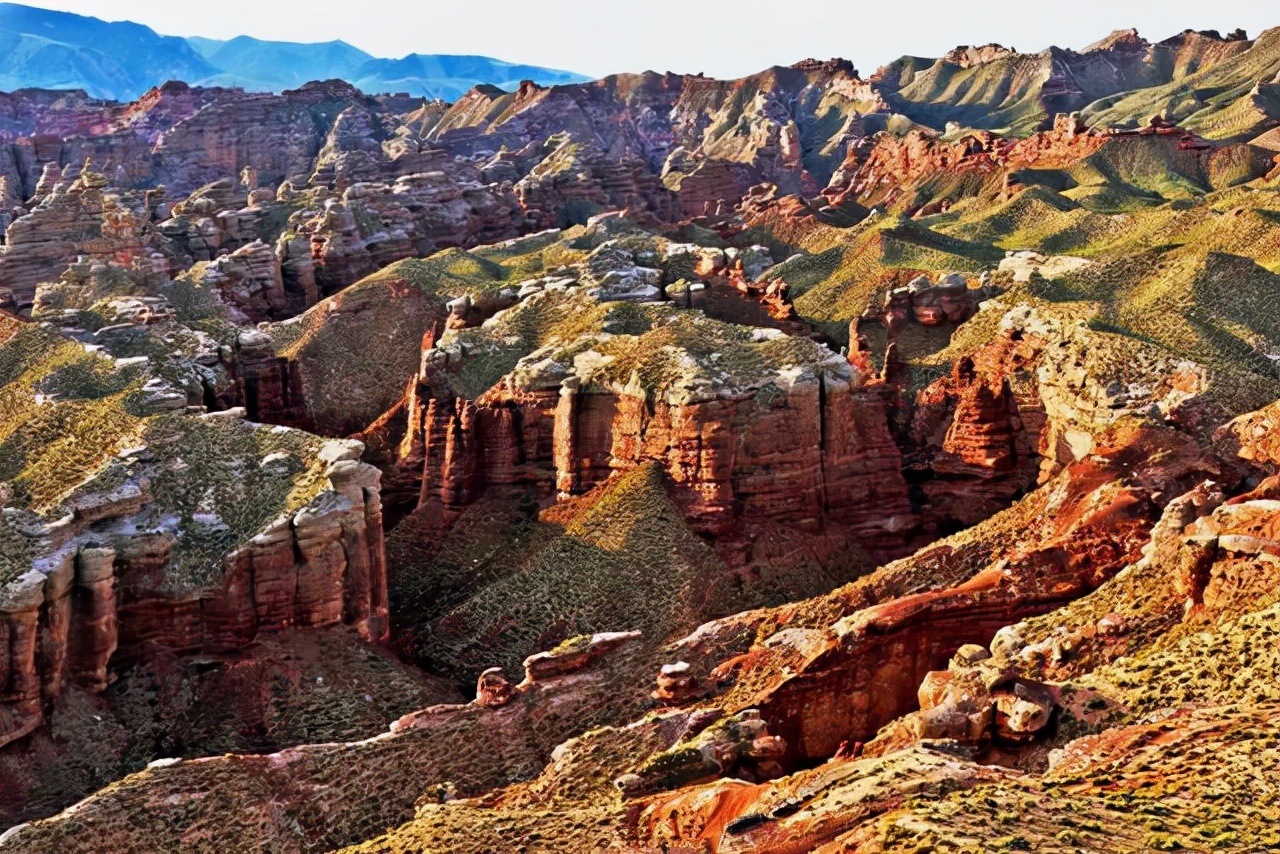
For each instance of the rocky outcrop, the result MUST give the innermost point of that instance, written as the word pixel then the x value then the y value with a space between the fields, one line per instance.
pixel 209 222
pixel 967 56
pixel 880 175
pixel 740 746
pixel 359 205
pixel 952 299
pixel 868 675
pixel 104 590
pixel 1040 396
pixel 249 281
pixel 1254 438
pixel 269 385
pixel 980 440
pixel 819 689
pixel 708 140
pixel 737 274
pixel 344 785
pixel 278 136
pixel 614 272
pixel 375 224
pixel 809 452
pixel 75 219
pixel 569 181
pixel 1225 556
pixel 976 700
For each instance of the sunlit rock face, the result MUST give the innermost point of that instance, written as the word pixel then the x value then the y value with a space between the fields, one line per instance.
pixel 811 461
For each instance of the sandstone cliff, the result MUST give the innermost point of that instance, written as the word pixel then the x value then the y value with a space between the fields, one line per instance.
pixel 146 528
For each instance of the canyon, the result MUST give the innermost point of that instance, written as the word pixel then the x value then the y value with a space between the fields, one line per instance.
pixel 805 462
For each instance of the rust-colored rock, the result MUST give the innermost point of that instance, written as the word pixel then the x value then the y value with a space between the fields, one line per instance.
pixel 66 620
pixel 830 459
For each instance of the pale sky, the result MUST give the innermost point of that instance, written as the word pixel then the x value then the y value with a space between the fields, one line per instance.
pixel 723 38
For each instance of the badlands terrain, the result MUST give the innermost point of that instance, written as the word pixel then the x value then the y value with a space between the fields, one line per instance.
pixel 816 461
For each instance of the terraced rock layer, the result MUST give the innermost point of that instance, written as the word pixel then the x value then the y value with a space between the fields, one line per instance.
pixel 1007 318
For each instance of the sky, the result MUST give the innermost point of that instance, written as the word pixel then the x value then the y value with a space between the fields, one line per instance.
pixel 722 38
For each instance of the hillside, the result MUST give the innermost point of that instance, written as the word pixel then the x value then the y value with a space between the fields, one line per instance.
pixel 59 50
pixel 122 60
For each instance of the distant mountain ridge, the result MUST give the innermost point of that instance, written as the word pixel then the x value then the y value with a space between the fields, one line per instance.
pixel 121 60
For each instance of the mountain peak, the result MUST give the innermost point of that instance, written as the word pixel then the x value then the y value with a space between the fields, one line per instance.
pixel 1117 39
pixel 122 60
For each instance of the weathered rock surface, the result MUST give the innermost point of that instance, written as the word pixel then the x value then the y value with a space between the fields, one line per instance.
pixel 348 784
pixel 75 219
pixel 250 282
pixel 645 422
pixel 557 425
pixel 83 603
pixel 151 529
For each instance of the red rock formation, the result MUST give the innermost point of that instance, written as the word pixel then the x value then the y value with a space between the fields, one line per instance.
pixel 1225 557
pixel 279 136
pixel 966 56
pixel 686 127
pixel 876 177
pixel 950 300
pixel 823 458
pixel 72 221
pixel 268 386
pixel 847 683
pixel 87 605
pixel 979 442
pixel 733 816
pixel 1254 438
pixel 375 224
pixel 870 674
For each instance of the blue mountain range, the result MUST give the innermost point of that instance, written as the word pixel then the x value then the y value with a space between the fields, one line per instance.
pixel 40 48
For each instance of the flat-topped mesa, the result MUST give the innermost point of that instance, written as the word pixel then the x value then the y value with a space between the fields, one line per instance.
pixel 750 425
pixel 107 583
pixel 835 65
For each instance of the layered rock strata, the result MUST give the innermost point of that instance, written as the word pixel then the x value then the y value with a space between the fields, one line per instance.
pixel 806 447
pixel 77 218
pixel 102 588
pixel 347 784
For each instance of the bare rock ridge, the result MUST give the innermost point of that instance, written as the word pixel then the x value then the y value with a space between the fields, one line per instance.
pixel 368 185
